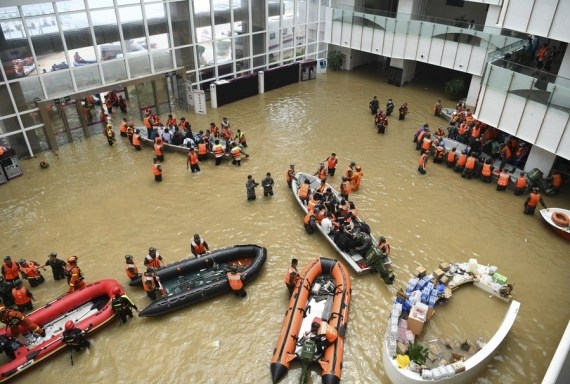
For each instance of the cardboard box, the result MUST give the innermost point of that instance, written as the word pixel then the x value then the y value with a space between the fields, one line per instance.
pixel 444 279
pixel 415 325
pixel 444 266
pixel 438 273
pixel 420 272
pixel 402 295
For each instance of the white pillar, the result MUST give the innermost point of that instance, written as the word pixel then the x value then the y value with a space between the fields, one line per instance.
pixel 261 81
pixel 541 159
pixel 213 96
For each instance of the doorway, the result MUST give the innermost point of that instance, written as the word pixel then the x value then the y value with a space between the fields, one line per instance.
pixel 66 123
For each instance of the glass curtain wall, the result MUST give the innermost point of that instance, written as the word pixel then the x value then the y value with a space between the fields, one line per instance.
pixel 61 48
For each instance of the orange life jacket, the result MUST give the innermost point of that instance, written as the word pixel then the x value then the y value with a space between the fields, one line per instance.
pixel 331 162
pixel 421 135
pixel 132 270
pixel 322 173
pixel 30 270
pixel 486 170
pixel 137 139
pixel 504 178
pixel 10 272
pixel 534 198
pixel 148 282
pixel 202 149
pixel 329 332
pixel 462 160
pixel 304 191
pixel 156 170
pixel 356 179
pixel 158 149
pixel 451 156
pixel 218 150
pixel 307 218
pixel 146 122
pixel 152 263
pixel 506 153
pixel 123 127
pixel 236 153
pixel 345 188
pixel 235 281
pixel 426 144
pixel 21 296
pixel 521 182
pixel 76 278
pixel 200 249
pixel 470 163
pixel 193 157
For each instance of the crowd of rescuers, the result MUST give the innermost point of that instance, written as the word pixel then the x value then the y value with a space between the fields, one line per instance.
pixel 337 216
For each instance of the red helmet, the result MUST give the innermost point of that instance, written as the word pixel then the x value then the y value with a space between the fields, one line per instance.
pixel 69 325
pixel 116 290
pixel 72 260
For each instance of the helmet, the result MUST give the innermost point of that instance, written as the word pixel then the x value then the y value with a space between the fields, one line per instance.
pixel 128 257
pixel 535 189
pixel 116 291
pixel 69 325
pixel 72 260
pixel 22 261
pixel 6 258
pixel 2 308
pixel 358 168
pixel 149 270
pixel 151 249
pixel 54 254
pixel 196 236
pixel 381 239
pixel 322 164
pixel 18 283
pixel 292 164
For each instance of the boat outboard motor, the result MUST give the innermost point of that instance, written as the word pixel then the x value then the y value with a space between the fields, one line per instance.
pixel 536 179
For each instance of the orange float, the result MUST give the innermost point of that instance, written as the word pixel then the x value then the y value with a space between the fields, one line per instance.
pixel 560 219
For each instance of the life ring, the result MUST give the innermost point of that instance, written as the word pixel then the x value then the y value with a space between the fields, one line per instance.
pixel 44 164
pixel 560 219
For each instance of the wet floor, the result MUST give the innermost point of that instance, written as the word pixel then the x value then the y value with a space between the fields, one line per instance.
pixel 100 203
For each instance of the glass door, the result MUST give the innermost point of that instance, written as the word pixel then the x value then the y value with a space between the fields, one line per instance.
pixel 72 121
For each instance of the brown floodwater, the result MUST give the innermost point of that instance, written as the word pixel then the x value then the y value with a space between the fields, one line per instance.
pixel 100 203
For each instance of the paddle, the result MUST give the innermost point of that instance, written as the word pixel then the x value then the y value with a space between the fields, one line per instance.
pixel 32 355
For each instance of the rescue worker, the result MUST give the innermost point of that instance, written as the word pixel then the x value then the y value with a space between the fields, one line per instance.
pixel 345 187
pixel 6 293
pixel 22 297
pixel 422 163
pixel 130 132
pixel 461 161
pixel 57 266
pixel 451 157
pixel 505 155
pixel 137 139
pixel 193 161
pixel 532 201
pixel 159 149
pixel 555 180
pixel 110 135
pixel 292 276
pixel 322 172
pixel 202 150
pixel 153 259
pixel 15 319
pixel 198 246
pixel 267 185
pixel 236 153
pixel 240 138
pixel 73 274
pixel 503 181
pixel 350 170
pixel 10 270
pixel 310 222
pixel 156 170
pixel 487 171
pixel 218 151
pixel 332 162
pixel 323 334
pixel 470 164
pixel 290 175
pixel 521 184
pixel 304 192
pixel 384 246
pixel 123 127
pixel 356 178
pixel 122 305
pixel 74 337
pixel 131 268
pixel 389 107
pixel 29 271
pixel 151 283
pixel 235 278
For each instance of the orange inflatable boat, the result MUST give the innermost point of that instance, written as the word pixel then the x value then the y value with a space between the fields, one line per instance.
pixel 316 321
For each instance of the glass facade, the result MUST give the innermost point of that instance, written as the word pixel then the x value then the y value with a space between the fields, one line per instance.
pixel 56 49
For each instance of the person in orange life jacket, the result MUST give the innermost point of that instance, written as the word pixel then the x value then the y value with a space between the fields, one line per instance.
pixel 304 192
pixel 250 186
pixel 74 337
pixel 193 162
pixel 218 151
pixel 151 283
pixel 123 127
pixel 10 270
pixel 461 161
pixel 267 185
pixel 15 319
pixel 322 172
pixel 235 279
pixel 240 138
pixel 153 259
pixel 345 187
pixel 470 164
pixel 57 266
pixel 309 222
pixel 22 297
pixel 383 246
pixel 137 139
pixel 292 276
pixel 487 171
pixel 236 153
pixel 131 268
pixel 202 150
pixel 451 157
pixel 532 201
pixel 426 143
pixel 122 305
pixel 290 175
pixel 159 149
pixel 505 155
pixel 198 246
pixel 555 180
pixel 73 275
pixel 356 178
pixel 331 162
pixel 521 184
pixel 29 271
pixel 422 163
pixel 322 333
pixel 439 151
pixel 156 170
pixel 503 181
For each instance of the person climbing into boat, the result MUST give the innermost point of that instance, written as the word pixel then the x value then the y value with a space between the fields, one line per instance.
pixel 290 175
pixel 332 162
pixel 153 259
pixel 131 268
pixel 57 266
pixel 6 293
pixel 29 271
pixel 322 173
pixel 16 319
pixel 383 246
pixel 151 283
pixel 198 246
pixel 22 297
pixel 235 278
pixel 521 184
pixel 250 186
pixel 422 163
pixel 218 151
pixel 374 105
pixel 532 201
pixel 10 270
pixel 73 274
pixel 389 107
pixel 74 337
pixel 122 305
pixel 193 161
pixel 304 192
pixel 310 222
pixel 267 185
pixel 156 170
pixel 403 111
pixel 292 276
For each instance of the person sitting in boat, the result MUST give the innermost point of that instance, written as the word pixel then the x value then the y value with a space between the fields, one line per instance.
pixel 16 319
pixel 532 201
pixel 322 333
pixel 198 246
pixel 22 297
pixel 304 192
pixel 343 239
pixel 151 283
pixel 57 266
pixel 9 345
pixel 122 305
pixel 74 337
pixel 327 224
pixel 131 268
pixel 29 271
pixel 153 259
pixel 309 222
pixel 363 241
pixel 73 275
pixel 235 278
pixel 78 59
